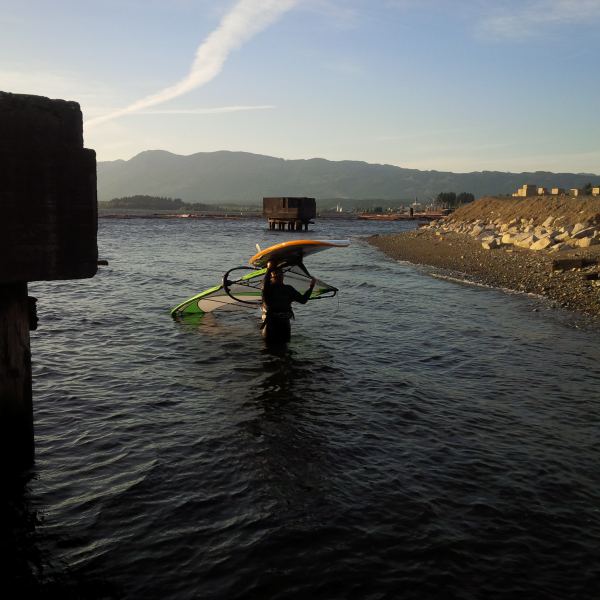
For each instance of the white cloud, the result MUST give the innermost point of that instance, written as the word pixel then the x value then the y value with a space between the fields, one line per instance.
pixel 532 17
pixel 246 19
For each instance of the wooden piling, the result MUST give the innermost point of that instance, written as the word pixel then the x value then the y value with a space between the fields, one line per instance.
pixel 16 406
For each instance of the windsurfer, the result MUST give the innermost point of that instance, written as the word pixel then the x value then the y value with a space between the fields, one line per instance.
pixel 277 298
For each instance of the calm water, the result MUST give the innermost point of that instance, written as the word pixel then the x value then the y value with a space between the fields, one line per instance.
pixel 419 438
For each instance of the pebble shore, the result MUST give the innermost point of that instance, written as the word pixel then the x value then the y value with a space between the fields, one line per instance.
pixel 514 269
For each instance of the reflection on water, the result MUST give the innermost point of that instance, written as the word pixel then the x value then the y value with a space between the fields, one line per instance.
pixel 414 436
pixel 28 569
pixel 18 522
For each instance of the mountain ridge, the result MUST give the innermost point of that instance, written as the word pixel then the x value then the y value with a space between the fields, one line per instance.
pixel 244 177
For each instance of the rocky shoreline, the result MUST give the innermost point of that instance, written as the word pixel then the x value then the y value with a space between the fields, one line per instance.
pixel 568 277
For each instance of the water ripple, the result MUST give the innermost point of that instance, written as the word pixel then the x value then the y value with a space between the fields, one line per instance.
pixel 416 438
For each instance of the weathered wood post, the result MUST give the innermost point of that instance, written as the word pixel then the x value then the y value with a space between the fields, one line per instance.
pixel 48 227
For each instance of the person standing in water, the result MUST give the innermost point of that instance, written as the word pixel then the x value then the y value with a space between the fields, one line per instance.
pixel 277 298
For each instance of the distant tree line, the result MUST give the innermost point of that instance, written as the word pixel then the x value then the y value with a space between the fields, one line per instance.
pixel 144 202
pixel 452 200
pixel 150 202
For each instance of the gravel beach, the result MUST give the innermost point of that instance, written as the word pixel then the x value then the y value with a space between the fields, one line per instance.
pixel 515 269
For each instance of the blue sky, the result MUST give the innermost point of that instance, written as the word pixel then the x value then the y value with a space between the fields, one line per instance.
pixel 459 85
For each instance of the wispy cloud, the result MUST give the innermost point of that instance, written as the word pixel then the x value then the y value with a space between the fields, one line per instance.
pixel 10 20
pixel 245 20
pixel 344 67
pixel 419 135
pixel 339 14
pixel 205 111
pixel 410 4
pixel 51 83
pixel 531 17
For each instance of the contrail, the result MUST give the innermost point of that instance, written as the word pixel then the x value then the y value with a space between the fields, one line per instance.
pixel 244 21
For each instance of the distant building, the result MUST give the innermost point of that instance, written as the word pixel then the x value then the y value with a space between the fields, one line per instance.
pixel 526 190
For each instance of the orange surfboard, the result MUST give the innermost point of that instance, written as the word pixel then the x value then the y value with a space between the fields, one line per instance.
pixel 288 253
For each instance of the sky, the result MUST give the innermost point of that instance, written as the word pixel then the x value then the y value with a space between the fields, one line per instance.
pixel 447 85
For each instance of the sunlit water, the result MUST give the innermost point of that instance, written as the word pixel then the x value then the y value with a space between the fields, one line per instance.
pixel 419 438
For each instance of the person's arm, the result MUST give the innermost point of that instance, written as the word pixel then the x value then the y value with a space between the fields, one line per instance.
pixel 267 279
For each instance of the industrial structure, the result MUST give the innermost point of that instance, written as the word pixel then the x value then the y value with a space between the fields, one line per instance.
pixel 291 213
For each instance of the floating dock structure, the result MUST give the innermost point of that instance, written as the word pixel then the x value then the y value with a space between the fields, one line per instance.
pixel 289 213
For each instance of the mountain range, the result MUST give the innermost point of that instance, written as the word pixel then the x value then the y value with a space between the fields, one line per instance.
pixel 244 178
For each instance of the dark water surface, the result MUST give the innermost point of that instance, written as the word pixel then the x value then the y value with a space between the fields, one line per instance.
pixel 419 438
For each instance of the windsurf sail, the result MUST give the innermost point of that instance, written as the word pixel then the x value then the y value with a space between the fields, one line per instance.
pixel 217 298
pixel 246 291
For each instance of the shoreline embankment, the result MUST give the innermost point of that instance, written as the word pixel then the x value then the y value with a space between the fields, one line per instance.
pixel 542 246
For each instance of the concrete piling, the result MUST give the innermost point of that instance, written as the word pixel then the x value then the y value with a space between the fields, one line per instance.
pixel 47 232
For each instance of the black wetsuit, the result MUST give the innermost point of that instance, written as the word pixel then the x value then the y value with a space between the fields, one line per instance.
pixel 277 304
